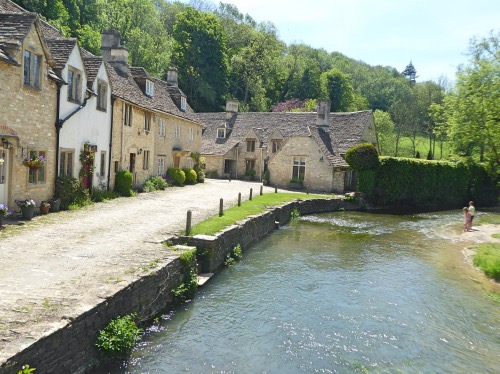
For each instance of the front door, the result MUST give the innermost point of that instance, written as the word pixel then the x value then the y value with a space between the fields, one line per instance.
pixel 131 167
pixel 4 172
pixel 177 162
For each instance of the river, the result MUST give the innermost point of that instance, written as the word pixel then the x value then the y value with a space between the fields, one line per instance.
pixel 337 293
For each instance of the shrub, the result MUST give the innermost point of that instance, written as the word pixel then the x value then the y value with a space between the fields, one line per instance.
pixel 487 259
pixel 429 155
pixel 71 192
pixel 212 174
pixel 250 173
pixel 177 176
pixel 123 183
pixel 191 176
pixel 200 176
pixel 99 195
pixel 154 184
pixel 120 334
pixel 417 155
pixel 363 156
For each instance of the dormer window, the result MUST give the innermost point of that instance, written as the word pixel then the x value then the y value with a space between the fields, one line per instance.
pixel 183 103
pixel 74 85
pixel 150 88
pixel 221 132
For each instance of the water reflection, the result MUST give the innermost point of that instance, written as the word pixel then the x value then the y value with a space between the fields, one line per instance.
pixel 334 293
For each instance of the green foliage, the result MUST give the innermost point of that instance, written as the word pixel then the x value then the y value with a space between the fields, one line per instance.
pixel 99 195
pixel 266 176
pixel 191 176
pixel 363 156
pixel 25 369
pixel 119 335
pixel 200 176
pixel 187 257
pixel 436 184
pixel 295 215
pixel 417 155
pixel 250 173
pixel 235 255
pixel 123 183
pixel 177 176
pixel 155 183
pixel 186 289
pixel 71 192
pixel 429 155
pixel 337 86
pixel 297 180
pixel 487 258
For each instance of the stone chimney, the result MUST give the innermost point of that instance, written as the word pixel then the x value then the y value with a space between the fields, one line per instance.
pixel 323 117
pixel 231 109
pixel 112 51
pixel 172 76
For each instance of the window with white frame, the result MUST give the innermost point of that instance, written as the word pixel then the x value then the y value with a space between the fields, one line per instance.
pixel 150 88
pixel 102 168
pixel 66 162
pixel 74 85
pixel 251 145
pixel 277 145
pixel 221 132
pixel 102 95
pixel 127 115
pixel 177 132
pixel 161 128
pixel 161 165
pixel 145 164
pixel 32 69
pixel 299 168
pixel 183 103
pixel 36 175
pixel 191 135
pixel 147 121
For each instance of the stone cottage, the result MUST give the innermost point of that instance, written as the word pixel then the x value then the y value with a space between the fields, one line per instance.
pixel 304 147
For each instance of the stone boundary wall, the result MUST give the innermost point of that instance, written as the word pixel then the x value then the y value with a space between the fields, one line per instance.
pixel 72 349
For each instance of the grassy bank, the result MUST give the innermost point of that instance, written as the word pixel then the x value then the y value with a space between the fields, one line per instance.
pixel 258 205
pixel 487 256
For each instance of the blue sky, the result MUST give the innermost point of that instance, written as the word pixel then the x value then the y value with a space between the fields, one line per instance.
pixel 434 35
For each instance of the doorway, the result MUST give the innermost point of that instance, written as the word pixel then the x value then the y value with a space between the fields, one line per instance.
pixel 4 172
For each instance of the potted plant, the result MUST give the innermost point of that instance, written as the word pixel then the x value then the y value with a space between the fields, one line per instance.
pixel 4 213
pixel 249 174
pixel 296 183
pixel 44 207
pixel 27 206
pixel 265 178
pixel 34 162
pixel 55 204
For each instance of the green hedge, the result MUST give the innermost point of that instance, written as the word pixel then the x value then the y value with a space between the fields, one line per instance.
pixel 191 176
pixel 177 176
pixel 434 184
pixel 123 183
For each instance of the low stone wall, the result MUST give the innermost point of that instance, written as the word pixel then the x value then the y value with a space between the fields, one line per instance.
pixel 71 349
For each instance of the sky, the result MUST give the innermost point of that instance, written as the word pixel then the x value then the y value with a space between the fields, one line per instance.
pixel 433 34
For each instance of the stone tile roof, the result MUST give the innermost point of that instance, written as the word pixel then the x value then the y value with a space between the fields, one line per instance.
pixel 14 27
pixel 345 130
pixel 125 87
pixel 60 50
pixel 92 65
pixel 10 6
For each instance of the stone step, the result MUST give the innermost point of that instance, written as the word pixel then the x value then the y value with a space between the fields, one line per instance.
pixel 203 278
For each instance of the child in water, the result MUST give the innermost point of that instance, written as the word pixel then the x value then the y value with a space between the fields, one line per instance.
pixel 468 220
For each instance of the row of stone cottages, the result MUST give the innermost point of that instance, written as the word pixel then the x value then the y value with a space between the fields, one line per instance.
pixel 88 116
pixel 61 102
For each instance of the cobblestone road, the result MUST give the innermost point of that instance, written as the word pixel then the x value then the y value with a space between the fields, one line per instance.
pixel 60 265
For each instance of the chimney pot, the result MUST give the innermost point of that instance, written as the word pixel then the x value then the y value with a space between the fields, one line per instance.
pixel 231 108
pixel 323 113
pixel 172 76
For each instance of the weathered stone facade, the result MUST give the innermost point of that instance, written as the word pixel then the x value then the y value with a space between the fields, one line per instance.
pixel 27 122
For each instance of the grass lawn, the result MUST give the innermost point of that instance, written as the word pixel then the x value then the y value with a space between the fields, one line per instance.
pixel 406 148
pixel 487 259
pixel 258 205
pixel 493 219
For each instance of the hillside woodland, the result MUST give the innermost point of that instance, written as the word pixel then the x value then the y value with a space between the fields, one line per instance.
pixel 222 53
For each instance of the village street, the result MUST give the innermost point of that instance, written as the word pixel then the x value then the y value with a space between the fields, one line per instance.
pixel 60 265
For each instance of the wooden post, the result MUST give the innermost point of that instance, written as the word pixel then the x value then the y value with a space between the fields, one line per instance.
pixel 250 194
pixel 275 189
pixel 261 187
pixel 239 198
pixel 188 222
pixel 221 207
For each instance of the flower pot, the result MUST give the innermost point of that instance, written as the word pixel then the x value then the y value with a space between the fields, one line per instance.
pixel 44 208
pixel 55 205
pixel 27 213
pixel 33 168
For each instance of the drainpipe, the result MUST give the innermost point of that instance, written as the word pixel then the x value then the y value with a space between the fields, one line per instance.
pixel 58 129
pixel 237 153
pixel 110 139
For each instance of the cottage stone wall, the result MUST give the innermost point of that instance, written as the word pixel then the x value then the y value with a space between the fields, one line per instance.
pixel 214 163
pixel 29 114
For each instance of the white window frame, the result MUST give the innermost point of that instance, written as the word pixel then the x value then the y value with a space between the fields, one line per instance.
pixel 66 160
pixel 39 175
pixel 191 135
pixel 251 145
pixel 298 165
pixel 161 165
pixel 221 131
pixel 102 96
pixel 150 88
pixel 177 132
pixel 183 103
pixel 276 145
pixel 148 118
pixel 145 160
pixel 32 69
pixel 127 115
pixel 161 128
pixel 74 85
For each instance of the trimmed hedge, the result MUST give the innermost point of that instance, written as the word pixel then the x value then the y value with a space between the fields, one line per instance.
pixel 123 183
pixel 177 176
pixel 434 184
pixel 363 156
pixel 191 176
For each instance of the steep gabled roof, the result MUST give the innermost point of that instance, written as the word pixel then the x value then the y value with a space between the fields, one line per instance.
pixel 14 27
pixel 61 50
pixel 92 65
pixel 344 131
pixel 9 6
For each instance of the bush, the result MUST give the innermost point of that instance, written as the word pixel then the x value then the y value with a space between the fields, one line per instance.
pixel 154 184
pixel 212 174
pixel 123 183
pixel 200 176
pixel 119 335
pixel 487 259
pixel 191 176
pixel 99 195
pixel 71 192
pixel 363 156
pixel 177 176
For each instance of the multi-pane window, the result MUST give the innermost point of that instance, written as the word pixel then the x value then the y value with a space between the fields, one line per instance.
pixel 177 132
pixel 102 167
pixel 102 95
pixel 191 135
pixel 221 132
pixel 127 115
pixel 145 164
pixel 32 69
pixel 161 165
pixel 251 145
pixel 299 168
pixel 161 128
pixel 37 175
pixel 150 88
pixel 276 145
pixel 66 162
pixel 183 103
pixel 147 122
pixel 74 85
pixel 249 165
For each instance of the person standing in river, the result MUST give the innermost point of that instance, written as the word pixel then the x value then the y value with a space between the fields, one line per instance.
pixel 472 211
pixel 467 219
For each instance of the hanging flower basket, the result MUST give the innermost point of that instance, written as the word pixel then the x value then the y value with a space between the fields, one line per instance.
pixel 34 162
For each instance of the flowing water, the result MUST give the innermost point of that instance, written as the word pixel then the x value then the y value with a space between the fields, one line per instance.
pixel 337 293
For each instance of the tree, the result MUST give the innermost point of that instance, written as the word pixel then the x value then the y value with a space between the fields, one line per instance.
pixel 385 132
pixel 362 157
pixel 410 73
pixel 337 86
pixel 199 53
